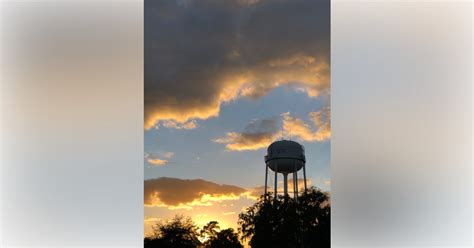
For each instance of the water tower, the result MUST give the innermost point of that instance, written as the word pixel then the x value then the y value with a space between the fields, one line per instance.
pixel 285 157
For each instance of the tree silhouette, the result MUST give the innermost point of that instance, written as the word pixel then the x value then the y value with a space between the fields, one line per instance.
pixel 182 232
pixel 217 238
pixel 178 232
pixel 284 222
pixel 210 230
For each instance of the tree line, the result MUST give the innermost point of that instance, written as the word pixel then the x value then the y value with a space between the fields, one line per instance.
pixel 280 222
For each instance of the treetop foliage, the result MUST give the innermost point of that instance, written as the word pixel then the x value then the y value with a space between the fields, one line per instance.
pixel 286 222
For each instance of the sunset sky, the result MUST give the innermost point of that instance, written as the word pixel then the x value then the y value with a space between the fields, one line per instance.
pixel 223 79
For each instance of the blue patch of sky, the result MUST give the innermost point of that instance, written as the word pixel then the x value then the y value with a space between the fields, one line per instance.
pixel 196 156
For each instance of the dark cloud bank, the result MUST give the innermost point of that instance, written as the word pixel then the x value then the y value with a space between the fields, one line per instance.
pixel 199 54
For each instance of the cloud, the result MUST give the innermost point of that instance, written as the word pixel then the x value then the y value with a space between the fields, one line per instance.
pixel 327 182
pixel 229 213
pixel 167 154
pixel 298 129
pixel 202 54
pixel 159 159
pixel 176 193
pixel 256 192
pixel 151 219
pixel 191 124
pixel 257 134
pixel 260 133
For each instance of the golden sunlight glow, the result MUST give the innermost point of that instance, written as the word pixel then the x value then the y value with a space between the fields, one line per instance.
pixel 204 200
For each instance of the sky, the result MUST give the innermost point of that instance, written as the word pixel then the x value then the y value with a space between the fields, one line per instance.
pixel 224 79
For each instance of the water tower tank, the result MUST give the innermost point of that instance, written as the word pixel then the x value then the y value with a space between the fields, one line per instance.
pixel 285 156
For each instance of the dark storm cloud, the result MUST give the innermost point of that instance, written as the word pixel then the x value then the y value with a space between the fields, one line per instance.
pixel 200 54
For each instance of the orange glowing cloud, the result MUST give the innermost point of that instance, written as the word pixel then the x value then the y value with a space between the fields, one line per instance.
pixel 260 133
pixel 174 193
pixel 159 159
pixel 243 142
pixel 299 129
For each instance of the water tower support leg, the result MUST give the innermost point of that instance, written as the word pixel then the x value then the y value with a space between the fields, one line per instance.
pixel 266 176
pixel 276 169
pixel 304 175
pixel 294 182
pixel 296 185
pixel 285 183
